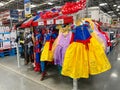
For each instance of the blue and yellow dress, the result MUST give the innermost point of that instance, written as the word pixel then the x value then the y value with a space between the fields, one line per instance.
pixel 84 55
pixel 47 54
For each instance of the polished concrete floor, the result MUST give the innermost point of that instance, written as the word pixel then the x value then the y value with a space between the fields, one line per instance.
pixel 12 81
pixel 14 78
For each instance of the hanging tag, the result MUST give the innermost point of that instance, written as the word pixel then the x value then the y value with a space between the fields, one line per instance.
pixel 50 22
pixel 40 23
pixel 60 21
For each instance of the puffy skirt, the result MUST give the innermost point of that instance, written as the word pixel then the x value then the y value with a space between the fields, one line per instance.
pixel 80 62
pixel 47 55
pixel 75 63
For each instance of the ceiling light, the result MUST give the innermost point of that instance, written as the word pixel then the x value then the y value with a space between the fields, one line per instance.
pixel 32 6
pixel 118 13
pixel 111 32
pixel 11 1
pixel 1 4
pixel 113 15
pixel 57 7
pixel 20 10
pixel 6 3
pixel 117 9
pixel 114 5
pixel 118 59
pixel 103 4
pixel 110 12
pixel 50 3
pixel 118 6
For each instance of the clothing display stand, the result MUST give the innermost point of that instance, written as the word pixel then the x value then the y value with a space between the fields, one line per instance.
pixel 18 55
pixel 75 84
pixel 49 22
pixel 85 30
pixel 17 48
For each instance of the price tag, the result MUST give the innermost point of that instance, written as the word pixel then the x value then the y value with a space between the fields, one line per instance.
pixel 50 22
pixel 60 21
pixel 40 23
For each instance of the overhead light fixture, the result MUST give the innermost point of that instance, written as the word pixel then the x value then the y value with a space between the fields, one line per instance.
pixel 57 6
pixel 6 3
pixel 20 10
pixel 1 4
pixel 50 3
pixel 103 4
pixel 117 9
pixel 114 5
pixel 118 6
pixel 111 32
pixel 10 1
pixel 37 5
pixel 114 15
pixel 32 6
pixel 118 59
pixel 118 13
pixel 110 12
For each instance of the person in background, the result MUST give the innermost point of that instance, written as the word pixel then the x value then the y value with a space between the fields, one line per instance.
pixel 28 47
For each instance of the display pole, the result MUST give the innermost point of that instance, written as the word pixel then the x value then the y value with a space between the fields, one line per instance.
pixel 75 84
pixel 18 55
pixel 87 1
pixel 11 23
pixel 17 48
pixel 99 11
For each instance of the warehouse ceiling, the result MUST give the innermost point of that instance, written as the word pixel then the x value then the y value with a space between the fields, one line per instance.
pixel 111 7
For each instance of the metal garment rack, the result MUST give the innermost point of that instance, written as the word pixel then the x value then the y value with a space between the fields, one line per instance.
pixel 75 81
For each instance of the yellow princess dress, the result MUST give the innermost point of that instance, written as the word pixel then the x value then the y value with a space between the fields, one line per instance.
pixel 84 56
pixel 47 53
pixel 75 63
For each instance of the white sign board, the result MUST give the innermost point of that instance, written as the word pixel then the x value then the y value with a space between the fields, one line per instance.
pixel 50 22
pixel 60 21
pixel 41 23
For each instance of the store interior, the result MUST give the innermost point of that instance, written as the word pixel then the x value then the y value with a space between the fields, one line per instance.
pixel 59 44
